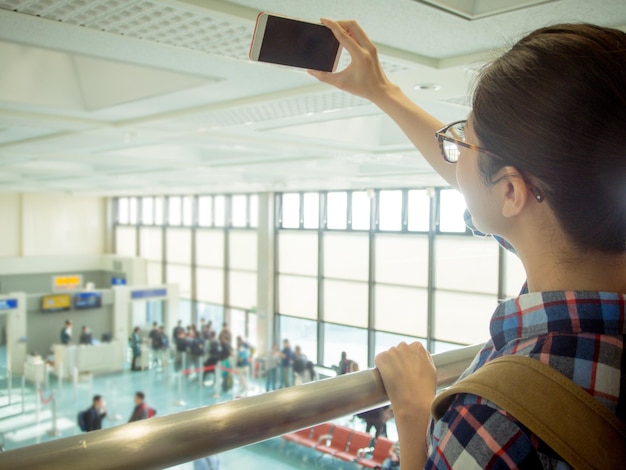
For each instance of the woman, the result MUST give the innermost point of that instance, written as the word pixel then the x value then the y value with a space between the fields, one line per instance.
pixel 541 163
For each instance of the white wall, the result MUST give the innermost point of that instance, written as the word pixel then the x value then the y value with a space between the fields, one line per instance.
pixel 44 224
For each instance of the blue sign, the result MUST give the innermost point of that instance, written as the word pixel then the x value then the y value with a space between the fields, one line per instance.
pixel 147 293
pixel 118 281
pixel 8 304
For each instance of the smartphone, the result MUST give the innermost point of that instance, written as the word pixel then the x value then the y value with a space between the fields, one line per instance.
pixel 295 43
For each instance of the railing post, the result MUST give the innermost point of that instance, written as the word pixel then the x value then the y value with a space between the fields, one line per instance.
pixel 23 387
pixel 54 431
pixel 180 401
pixel 9 384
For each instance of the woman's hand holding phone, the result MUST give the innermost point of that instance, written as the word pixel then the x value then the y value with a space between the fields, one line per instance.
pixel 364 76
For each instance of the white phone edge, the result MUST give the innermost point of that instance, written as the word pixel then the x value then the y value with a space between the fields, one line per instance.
pixel 259 32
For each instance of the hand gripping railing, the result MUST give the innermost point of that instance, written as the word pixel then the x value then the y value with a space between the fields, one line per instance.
pixel 188 435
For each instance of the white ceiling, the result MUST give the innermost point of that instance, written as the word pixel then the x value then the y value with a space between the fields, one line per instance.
pixel 116 97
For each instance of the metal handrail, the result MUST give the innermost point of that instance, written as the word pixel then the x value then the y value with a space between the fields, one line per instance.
pixel 188 435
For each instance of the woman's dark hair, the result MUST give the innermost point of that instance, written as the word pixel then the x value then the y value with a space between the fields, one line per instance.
pixel 554 107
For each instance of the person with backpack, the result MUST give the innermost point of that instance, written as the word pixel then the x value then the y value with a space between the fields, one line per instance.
pixel 214 355
pixel 299 366
pixel 91 418
pixel 135 346
pixel 196 349
pixel 141 410
pixel 156 342
pixel 165 347
pixel 541 165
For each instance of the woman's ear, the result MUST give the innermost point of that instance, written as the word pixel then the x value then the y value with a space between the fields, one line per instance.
pixel 515 192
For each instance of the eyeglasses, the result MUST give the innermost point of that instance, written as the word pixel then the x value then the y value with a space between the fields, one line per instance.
pixel 451 138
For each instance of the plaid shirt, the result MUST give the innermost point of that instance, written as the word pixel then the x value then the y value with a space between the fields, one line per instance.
pixel 580 334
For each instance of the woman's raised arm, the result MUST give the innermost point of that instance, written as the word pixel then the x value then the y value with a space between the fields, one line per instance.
pixel 364 77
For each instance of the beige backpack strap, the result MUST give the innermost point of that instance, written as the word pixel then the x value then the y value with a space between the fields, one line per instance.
pixel 568 419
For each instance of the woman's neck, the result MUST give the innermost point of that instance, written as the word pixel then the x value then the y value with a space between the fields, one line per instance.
pixel 553 268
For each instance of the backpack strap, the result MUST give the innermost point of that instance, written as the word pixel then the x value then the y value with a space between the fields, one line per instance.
pixel 581 430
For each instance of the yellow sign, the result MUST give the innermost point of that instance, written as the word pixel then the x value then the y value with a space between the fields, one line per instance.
pixel 67 282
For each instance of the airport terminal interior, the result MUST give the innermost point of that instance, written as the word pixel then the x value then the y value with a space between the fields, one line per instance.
pixel 151 173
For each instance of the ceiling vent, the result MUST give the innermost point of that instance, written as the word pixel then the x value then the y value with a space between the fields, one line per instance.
pixel 478 9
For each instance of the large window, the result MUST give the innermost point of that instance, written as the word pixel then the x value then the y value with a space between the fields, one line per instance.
pixel 203 243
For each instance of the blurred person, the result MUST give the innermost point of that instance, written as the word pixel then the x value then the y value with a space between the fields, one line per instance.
pixel 95 414
pixel 165 346
pixel 196 351
pixel 156 343
pixel 286 365
pixel 213 355
pixel 182 347
pixel 177 330
pixel 541 165
pixel 299 365
pixel 243 362
pixel 272 361
pixel 345 364
pixel 66 333
pixel 309 375
pixel 225 338
pixel 85 336
pixel 135 346
pixel 393 461
pixel 141 410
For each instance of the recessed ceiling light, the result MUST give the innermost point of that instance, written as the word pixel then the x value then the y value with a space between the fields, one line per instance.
pixel 427 87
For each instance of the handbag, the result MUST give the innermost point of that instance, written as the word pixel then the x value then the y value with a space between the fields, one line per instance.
pixel 581 430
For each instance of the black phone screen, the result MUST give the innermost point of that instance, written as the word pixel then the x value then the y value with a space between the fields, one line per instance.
pixel 298 44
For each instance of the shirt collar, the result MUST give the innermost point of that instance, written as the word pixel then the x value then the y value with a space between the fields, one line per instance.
pixel 540 313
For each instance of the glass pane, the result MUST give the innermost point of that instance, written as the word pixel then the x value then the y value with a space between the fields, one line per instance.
pixel 252 335
pixel 297 253
pixel 125 241
pixel 242 249
pixel 237 322
pixel 301 333
pixel 254 210
pixel 205 211
pixel 159 211
pixel 210 285
pixel 151 243
pixel 297 296
pixel 419 210
pixel 211 313
pixel 360 210
pixel 466 264
pixel 442 346
pixel 242 289
pixel 185 311
pixel 174 215
pixel 290 214
pixel 401 310
pixel 239 208
pixel 147 211
pixel 337 210
pixel 154 274
pixel 346 256
pixel 352 341
pixel 311 210
pixel 188 211
pixel 219 209
pixel 178 245
pixel 346 302
pixel 390 210
pixel 515 275
pixel 210 248
pixel 133 212
pixel 463 318
pixel 181 275
pixel 402 259
pixel 122 210
pixel 451 209
pixel 385 341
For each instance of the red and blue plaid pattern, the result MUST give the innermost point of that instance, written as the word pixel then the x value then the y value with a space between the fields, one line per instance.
pixel 580 334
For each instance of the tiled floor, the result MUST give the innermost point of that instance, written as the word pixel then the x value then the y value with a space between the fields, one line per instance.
pixel 30 426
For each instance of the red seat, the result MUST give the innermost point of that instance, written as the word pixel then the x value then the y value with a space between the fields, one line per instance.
pixel 299 435
pixel 359 440
pixel 380 453
pixel 339 442
pixel 318 431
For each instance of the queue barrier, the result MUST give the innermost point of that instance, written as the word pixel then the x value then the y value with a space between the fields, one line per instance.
pixel 192 434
